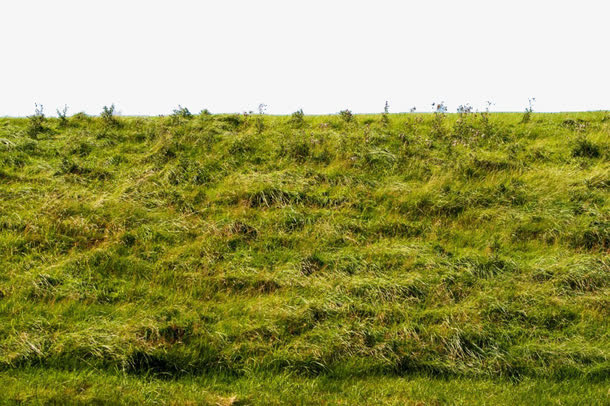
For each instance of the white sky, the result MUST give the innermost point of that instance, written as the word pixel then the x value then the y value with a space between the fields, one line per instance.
pixel 323 56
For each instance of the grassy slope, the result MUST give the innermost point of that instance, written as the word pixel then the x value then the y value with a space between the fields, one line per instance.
pixel 429 259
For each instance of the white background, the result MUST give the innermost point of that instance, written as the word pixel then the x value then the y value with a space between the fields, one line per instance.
pixel 323 56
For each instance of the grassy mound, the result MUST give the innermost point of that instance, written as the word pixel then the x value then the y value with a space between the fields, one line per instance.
pixel 257 259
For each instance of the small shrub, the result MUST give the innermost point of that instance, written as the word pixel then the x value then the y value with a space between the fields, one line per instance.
pixel 63 116
pixel 108 117
pixel 298 118
pixel 181 113
pixel 36 121
pixel 346 115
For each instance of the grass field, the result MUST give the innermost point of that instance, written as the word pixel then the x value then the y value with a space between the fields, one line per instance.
pixel 245 259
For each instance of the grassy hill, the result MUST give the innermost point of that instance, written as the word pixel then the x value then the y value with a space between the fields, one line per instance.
pixel 235 259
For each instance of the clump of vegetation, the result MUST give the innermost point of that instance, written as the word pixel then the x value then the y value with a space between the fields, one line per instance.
pixel 81 116
pixel 527 115
pixel 36 121
pixel 311 265
pixel 486 125
pixel 180 115
pixel 63 116
pixel 345 263
pixel 182 112
pixel 385 116
pixel 108 117
pixel 438 127
pixel 464 109
pixel 260 119
pixel 585 148
pixel 578 125
pixel 463 127
pixel 297 119
pixel 346 115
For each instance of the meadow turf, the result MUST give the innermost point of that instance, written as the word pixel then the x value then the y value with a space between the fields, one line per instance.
pixel 249 259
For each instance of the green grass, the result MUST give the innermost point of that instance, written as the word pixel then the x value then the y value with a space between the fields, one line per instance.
pixel 230 259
